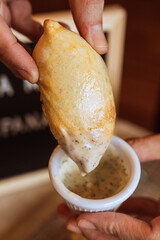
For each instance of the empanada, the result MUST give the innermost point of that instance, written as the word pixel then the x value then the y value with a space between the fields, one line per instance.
pixel 76 94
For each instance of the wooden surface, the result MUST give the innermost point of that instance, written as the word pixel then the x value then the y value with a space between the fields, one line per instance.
pixel 25 212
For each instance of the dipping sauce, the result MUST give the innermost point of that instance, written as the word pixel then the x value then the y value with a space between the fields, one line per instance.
pixel 106 180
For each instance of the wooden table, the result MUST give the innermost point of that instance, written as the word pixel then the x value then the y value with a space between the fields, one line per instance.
pixel 28 202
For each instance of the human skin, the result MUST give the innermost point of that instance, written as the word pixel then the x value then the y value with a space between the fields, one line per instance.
pixel 17 14
pixel 120 226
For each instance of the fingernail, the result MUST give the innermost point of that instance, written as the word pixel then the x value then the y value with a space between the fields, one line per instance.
pixel 97 39
pixel 86 224
pixel 73 228
pixel 31 77
pixel 34 77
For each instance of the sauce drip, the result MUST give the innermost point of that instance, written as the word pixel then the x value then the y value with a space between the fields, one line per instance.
pixel 106 180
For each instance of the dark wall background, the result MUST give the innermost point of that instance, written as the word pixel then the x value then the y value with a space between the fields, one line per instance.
pixel 140 101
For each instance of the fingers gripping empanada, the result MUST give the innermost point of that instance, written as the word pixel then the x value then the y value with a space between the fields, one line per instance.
pixel 76 94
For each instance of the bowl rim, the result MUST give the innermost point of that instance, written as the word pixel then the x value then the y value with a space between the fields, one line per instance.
pixel 97 204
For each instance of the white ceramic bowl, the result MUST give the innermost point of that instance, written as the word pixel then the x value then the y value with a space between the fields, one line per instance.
pixel 76 202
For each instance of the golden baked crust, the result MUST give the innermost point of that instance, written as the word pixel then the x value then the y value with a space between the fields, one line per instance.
pixel 76 94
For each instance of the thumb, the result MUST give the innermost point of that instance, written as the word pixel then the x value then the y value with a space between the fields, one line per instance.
pixel 15 57
pixel 110 225
pixel 87 15
pixel 147 148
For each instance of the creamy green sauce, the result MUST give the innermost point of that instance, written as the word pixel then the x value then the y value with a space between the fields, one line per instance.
pixel 106 180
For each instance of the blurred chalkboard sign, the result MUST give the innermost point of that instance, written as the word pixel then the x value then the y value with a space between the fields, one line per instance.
pixel 25 139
